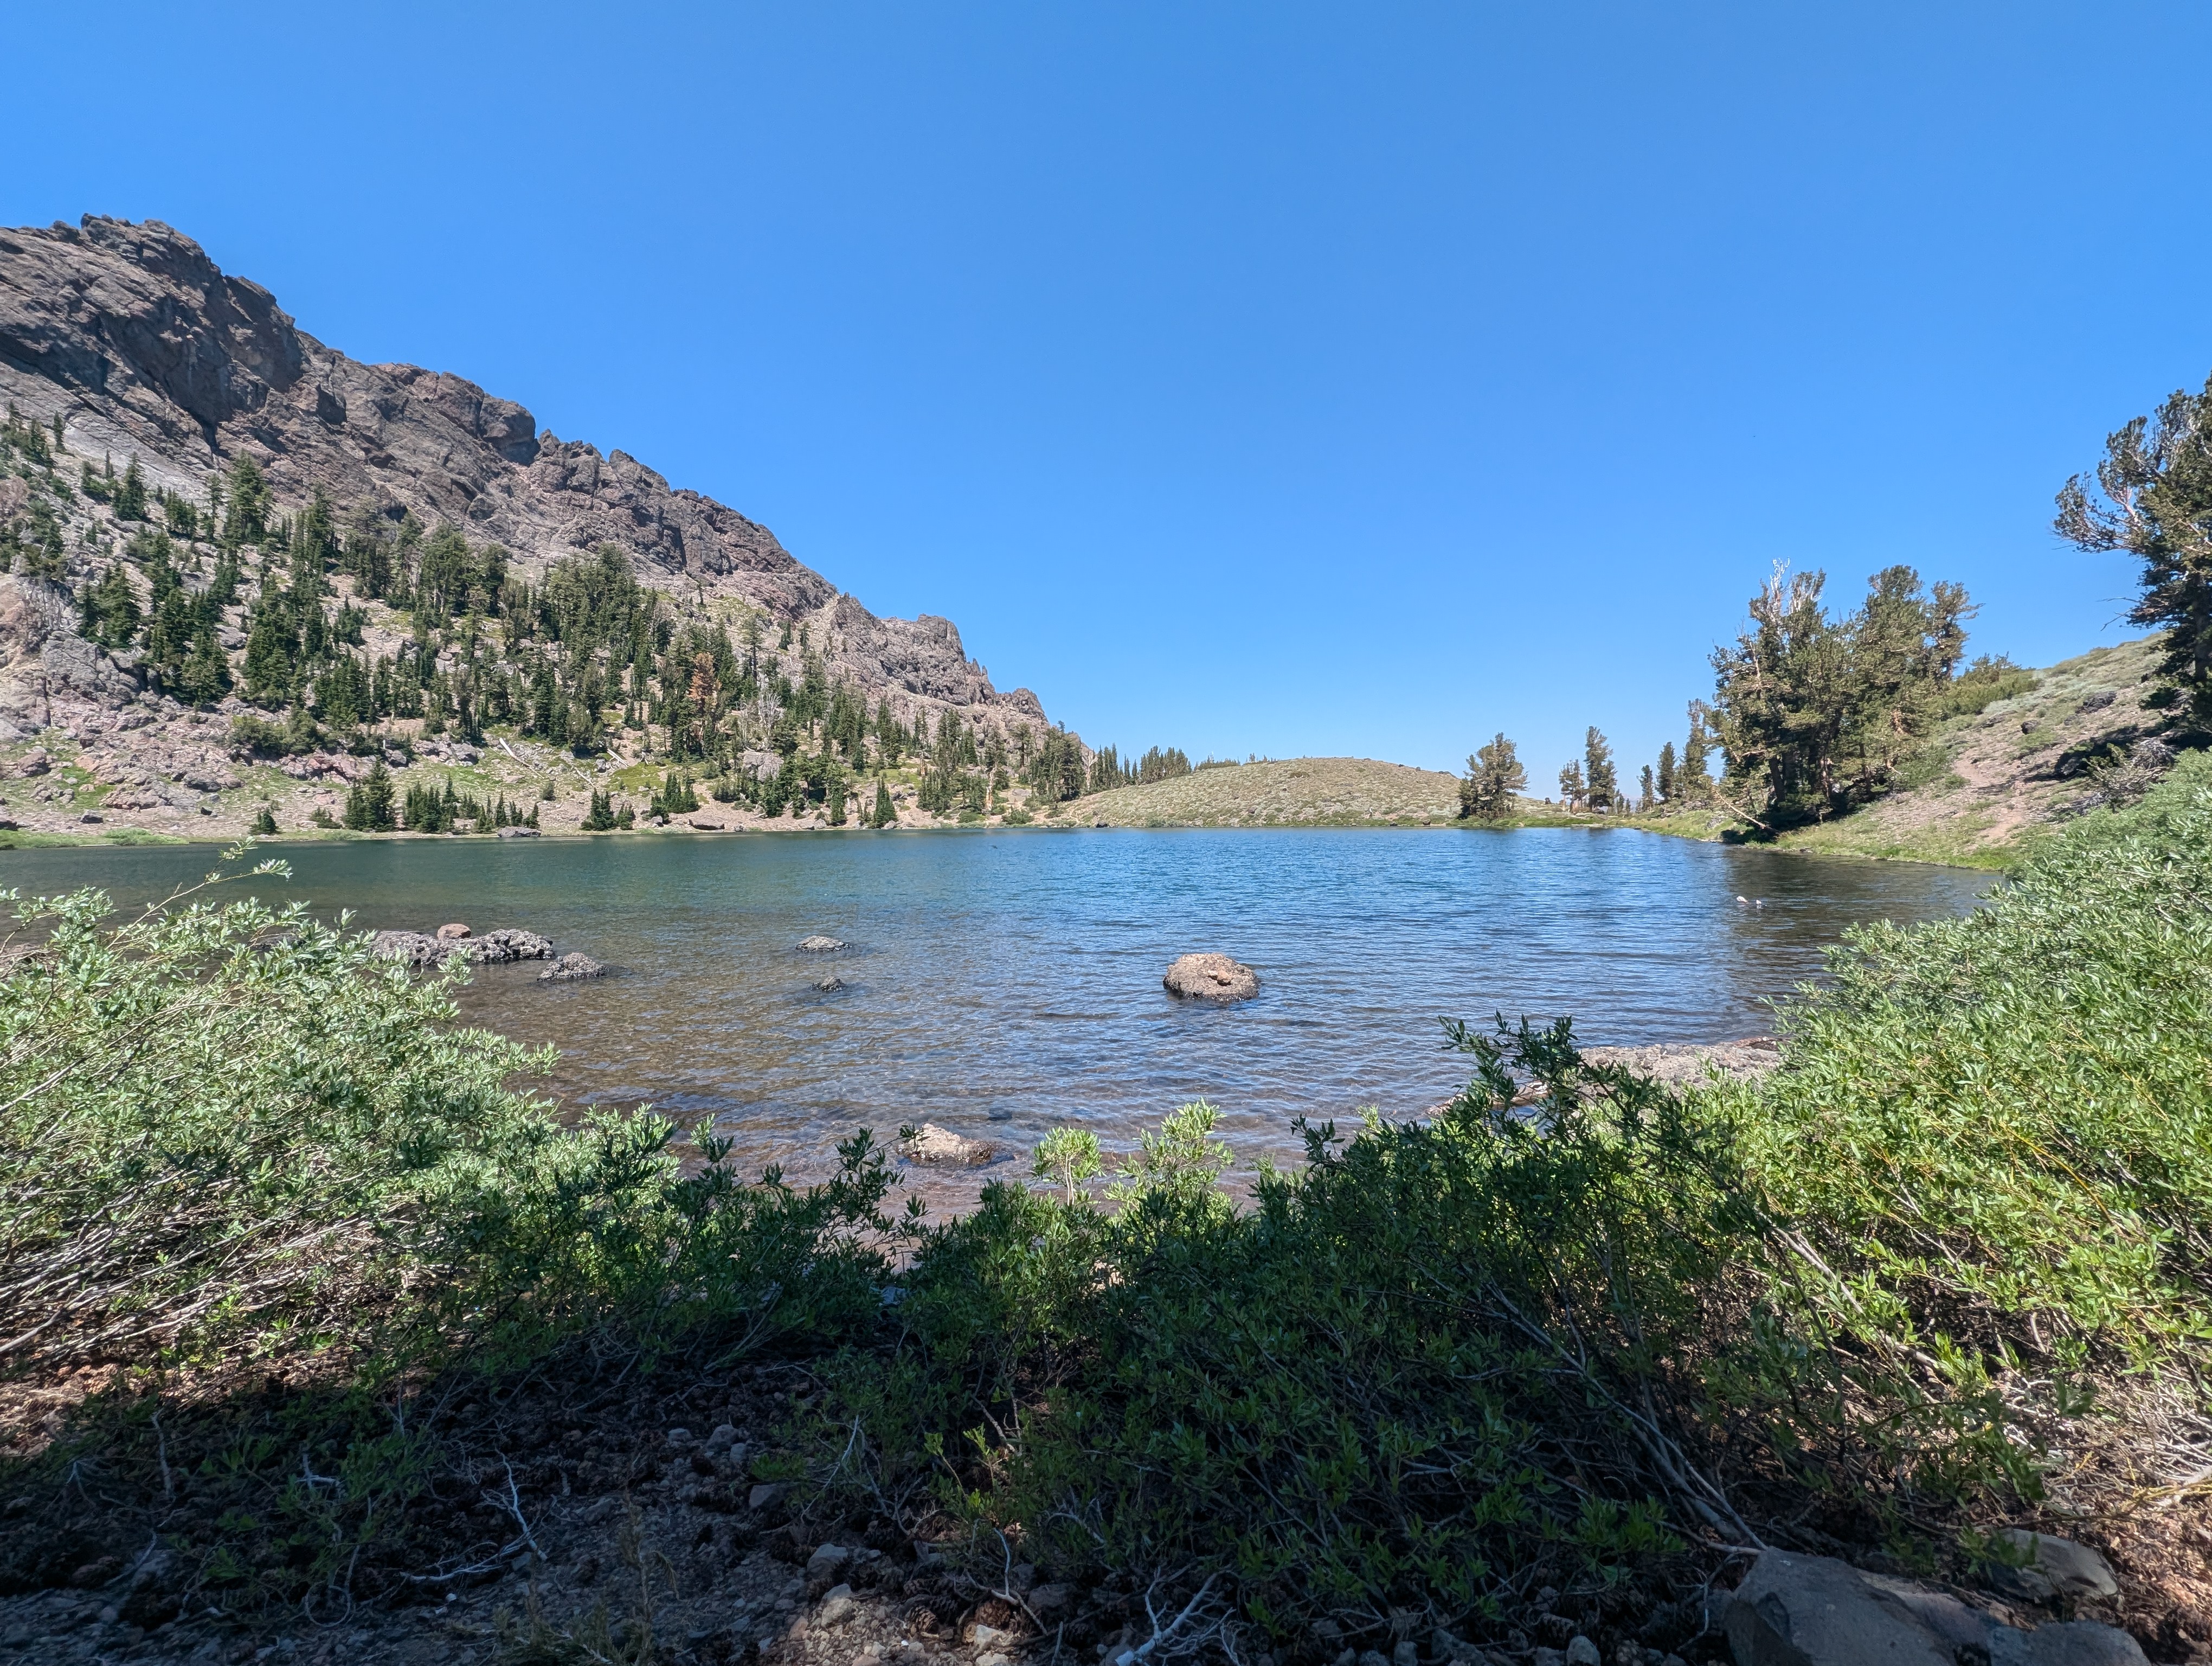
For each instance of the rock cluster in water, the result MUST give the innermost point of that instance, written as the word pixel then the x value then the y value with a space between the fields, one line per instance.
pixel 422 949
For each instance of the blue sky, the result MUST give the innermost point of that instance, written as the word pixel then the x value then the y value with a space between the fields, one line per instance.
pixel 1265 378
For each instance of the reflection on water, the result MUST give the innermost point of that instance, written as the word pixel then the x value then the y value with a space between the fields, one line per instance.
pixel 1000 983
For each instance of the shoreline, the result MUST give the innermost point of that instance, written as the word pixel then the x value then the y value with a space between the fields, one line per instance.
pixel 128 838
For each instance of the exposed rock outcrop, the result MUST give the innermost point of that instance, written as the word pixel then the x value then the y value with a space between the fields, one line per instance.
pixel 571 969
pixel 1817 1611
pixel 1210 977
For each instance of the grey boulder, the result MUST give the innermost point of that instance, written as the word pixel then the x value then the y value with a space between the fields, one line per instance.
pixel 818 944
pixel 2052 1568
pixel 571 969
pixel 1817 1611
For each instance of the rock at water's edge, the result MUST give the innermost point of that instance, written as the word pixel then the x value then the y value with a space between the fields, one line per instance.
pixel 941 1147
pixel 1210 977
pixel 420 949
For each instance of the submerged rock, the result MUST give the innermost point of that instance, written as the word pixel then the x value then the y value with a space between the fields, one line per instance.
pixel 829 985
pixel 942 1148
pixel 570 969
pixel 818 944
pixel 1210 977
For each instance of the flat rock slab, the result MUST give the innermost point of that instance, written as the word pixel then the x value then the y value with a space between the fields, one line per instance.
pixel 1680 1066
pixel 818 944
pixel 1210 977
pixel 938 1147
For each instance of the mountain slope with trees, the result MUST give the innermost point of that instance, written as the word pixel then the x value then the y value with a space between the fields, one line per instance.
pixel 237 565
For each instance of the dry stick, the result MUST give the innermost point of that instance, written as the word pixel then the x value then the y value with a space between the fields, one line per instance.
pixel 1144 1651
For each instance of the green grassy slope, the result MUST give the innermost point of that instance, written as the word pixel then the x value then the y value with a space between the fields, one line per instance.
pixel 1298 791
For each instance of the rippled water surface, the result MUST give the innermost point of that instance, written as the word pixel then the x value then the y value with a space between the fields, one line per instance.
pixel 1000 983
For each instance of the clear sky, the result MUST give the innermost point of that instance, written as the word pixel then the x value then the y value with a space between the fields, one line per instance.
pixel 1269 378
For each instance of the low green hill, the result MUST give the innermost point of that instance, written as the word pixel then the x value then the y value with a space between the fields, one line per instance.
pixel 1298 791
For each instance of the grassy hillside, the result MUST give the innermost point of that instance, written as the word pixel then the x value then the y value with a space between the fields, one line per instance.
pixel 1988 782
pixel 1298 791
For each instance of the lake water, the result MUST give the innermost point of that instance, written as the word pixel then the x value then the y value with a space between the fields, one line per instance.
pixel 1000 983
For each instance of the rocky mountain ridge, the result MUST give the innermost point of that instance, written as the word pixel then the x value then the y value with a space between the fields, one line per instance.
pixel 126 342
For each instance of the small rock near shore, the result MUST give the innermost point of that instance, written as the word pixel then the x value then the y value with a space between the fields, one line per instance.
pixel 818 944
pixel 457 929
pixel 570 969
pixel 1210 977
pixel 829 985
pixel 518 833
pixel 941 1147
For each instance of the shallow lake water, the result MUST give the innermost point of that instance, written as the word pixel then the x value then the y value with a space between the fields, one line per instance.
pixel 1000 983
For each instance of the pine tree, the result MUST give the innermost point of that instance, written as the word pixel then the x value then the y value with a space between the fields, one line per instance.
pixel 884 814
pixel 2152 497
pixel 111 615
pixel 246 520
pixel 1650 793
pixel 131 494
pixel 369 808
pixel 1816 713
pixel 1666 773
pixel 1599 781
pixel 1494 775
pixel 600 818
pixel 1691 776
pixel 265 824
pixel 205 678
pixel 1571 785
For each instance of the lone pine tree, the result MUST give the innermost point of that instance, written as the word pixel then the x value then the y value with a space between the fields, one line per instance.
pixel 2153 498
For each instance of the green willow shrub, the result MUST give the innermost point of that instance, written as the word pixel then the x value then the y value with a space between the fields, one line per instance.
pixel 1431 1359
pixel 1992 1140
pixel 228 1126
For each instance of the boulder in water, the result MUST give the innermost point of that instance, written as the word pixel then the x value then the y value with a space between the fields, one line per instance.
pixel 818 944
pixel 571 969
pixel 1210 977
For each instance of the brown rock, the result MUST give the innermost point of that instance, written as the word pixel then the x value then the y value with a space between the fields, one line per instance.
pixel 449 932
pixel 1210 977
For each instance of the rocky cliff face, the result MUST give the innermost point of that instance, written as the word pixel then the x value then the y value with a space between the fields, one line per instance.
pixel 144 348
